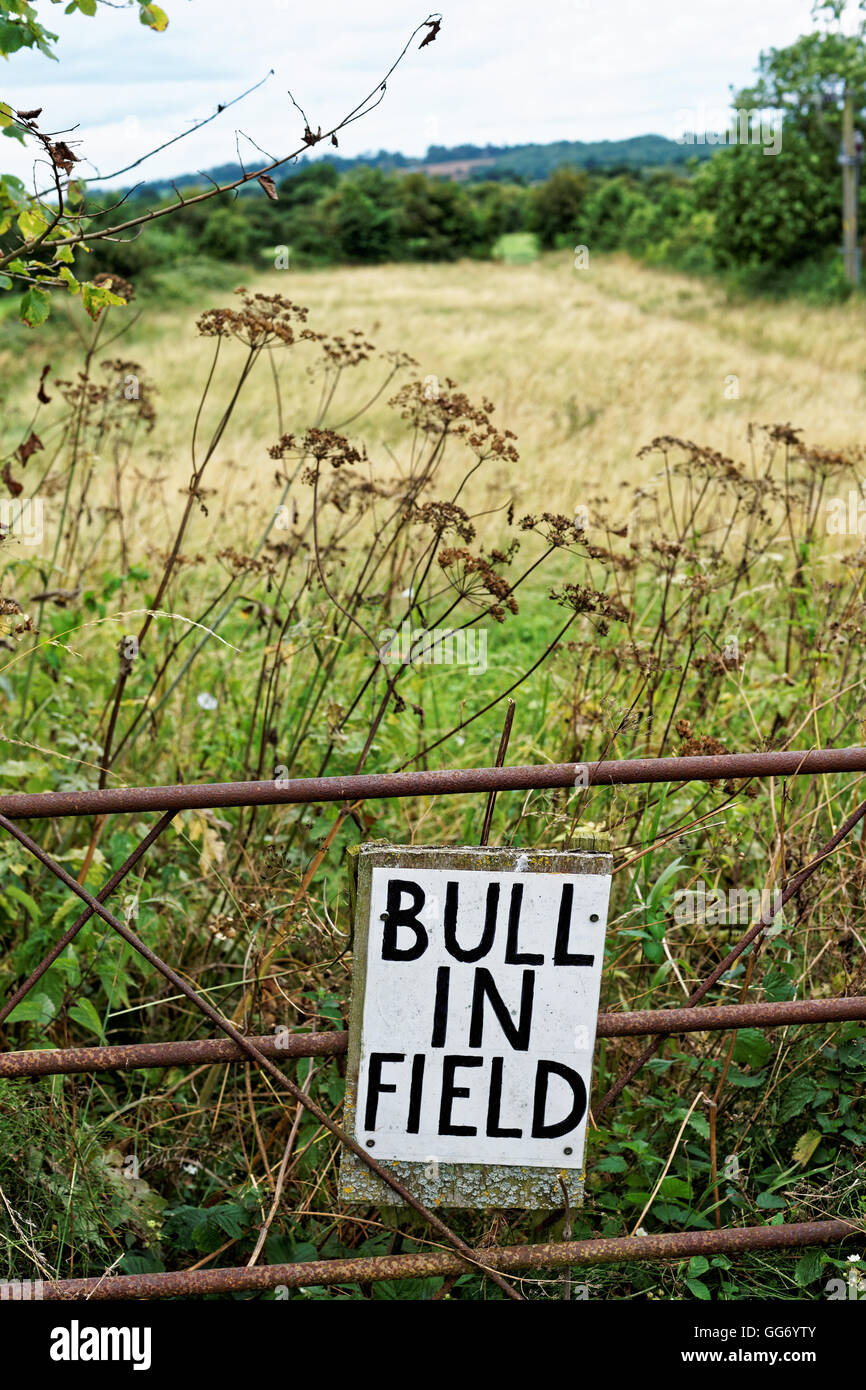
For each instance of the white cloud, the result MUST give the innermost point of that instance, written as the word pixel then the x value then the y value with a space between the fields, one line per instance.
pixel 499 72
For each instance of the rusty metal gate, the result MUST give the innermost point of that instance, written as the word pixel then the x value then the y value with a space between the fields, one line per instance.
pixel 497 1263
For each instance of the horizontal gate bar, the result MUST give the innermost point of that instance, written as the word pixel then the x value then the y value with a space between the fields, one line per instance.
pixel 69 1060
pixel 371 786
pixel 712 1018
pixel 510 1259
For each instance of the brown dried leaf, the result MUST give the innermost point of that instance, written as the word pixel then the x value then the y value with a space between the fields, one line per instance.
pixel 434 25
pixel 269 186
pixel 14 487
pixel 63 156
pixel 30 446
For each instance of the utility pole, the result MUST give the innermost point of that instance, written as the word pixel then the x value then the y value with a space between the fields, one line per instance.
pixel 851 158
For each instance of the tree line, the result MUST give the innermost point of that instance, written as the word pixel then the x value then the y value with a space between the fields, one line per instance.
pixel 767 221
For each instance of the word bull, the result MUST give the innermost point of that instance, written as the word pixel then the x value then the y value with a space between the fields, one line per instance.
pixel 399 919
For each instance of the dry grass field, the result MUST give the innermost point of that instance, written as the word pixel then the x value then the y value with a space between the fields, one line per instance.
pixel 137 649
pixel 585 366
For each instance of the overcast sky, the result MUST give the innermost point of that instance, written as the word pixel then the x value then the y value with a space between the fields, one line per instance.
pixel 503 73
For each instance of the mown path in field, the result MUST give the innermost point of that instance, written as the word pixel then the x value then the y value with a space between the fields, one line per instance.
pixel 586 366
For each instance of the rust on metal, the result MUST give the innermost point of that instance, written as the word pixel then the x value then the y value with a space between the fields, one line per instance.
pixel 757 929
pixel 69 1061
pixel 448 781
pixel 715 1017
pixel 103 895
pixel 300 1095
pixel 511 1260
pixel 494 1262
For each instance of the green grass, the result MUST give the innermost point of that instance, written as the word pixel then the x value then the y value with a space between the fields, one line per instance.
pixel 516 248
pixel 686 556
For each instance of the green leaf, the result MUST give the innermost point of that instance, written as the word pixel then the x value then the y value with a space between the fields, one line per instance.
pixel 808 1267
pixel 302 1252
pixel 35 306
pixel 36 1008
pixel 153 17
pixel 806 1146
pixel 31 223
pixel 698 1289
pixel 8 125
pixel 13 193
pixel 95 298
pixel 742 1078
pixel 675 1187
pixel 64 910
pixel 5 282
pixel 698 1264
pixel 71 283
pixel 614 1163
pixel 144 1262
pixel 800 1092
pixel 752 1048
pixel 68 966
pixel 654 951
pixel 656 896
pixel 84 1013
pixel 769 1201
pixel 18 894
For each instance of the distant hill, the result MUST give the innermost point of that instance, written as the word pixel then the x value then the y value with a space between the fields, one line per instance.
pixel 526 163
pixel 532 162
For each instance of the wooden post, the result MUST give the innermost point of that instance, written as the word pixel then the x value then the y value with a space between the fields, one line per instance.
pixel 849 194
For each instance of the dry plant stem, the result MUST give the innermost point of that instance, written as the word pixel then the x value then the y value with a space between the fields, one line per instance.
pixel 251 1105
pixel 758 927
pixel 146 712
pixel 714 1102
pixel 500 762
pixel 192 498
pixel 78 422
pixel 566 1235
pixel 253 1052
pixel 87 234
pixel 712 1109
pixel 664 1172
pixel 281 1175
